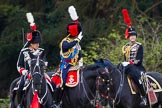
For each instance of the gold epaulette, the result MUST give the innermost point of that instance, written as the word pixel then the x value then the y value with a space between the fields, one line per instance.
pixel 66 54
pixel 65 39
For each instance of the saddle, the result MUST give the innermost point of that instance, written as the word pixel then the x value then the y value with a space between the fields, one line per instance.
pixel 153 83
pixel 28 82
pixel 26 85
pixel 152 86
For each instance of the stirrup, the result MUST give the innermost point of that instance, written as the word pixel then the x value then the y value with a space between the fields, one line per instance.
pixel 19 106
pixel 56 105
pixel 143 102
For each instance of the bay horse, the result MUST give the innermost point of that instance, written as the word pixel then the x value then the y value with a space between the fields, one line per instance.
pixel 119 92
pixel 38 94
pixel 87 93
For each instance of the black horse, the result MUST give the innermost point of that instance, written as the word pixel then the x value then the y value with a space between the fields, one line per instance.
pixel 88 93
pixel 38 85
pixel 119 92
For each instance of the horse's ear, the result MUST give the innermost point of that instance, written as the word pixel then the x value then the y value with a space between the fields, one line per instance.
pixel 94 60
pixel 102 60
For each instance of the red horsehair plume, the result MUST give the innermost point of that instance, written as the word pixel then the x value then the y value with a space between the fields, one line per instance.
pixel 126 20
pixel 35 101
pixel 126 17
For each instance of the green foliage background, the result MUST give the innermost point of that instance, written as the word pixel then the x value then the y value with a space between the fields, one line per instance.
pixel 103 30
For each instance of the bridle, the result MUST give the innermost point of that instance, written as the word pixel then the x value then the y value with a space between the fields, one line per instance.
pixel 100 81
pixel 117 97
pixel 37 71
pixel 96 99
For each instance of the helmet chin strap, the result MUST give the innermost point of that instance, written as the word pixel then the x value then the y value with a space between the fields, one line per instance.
pixel 31 48
pixel 25 45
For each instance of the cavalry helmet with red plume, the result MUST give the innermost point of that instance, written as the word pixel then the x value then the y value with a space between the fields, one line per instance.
pixel 74 28
pixel 34 37
pixel 132 31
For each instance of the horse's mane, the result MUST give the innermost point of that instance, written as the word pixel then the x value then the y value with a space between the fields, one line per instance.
pixel 109 63
pixel 91 67
pixel 92 70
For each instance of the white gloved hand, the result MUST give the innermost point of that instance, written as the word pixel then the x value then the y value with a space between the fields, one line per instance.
pixel 80 36
pixel 24 72
pixel 80 63
pixel 46 63
pixel 125 63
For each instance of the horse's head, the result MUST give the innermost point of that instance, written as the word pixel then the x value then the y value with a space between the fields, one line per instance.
pixel 37 69
pixel 114 81
pixel 104 79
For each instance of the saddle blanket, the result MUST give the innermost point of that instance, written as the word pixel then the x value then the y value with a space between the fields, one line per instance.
pixel 72 79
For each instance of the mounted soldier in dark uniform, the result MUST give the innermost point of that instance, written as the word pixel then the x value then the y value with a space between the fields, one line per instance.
pixel 133 54
pixel 28 52
pixel 25 55
pixel 133 57
pixel 70 51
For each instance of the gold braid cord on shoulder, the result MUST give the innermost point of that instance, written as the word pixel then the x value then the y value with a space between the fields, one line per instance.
pixel 126 51
pixel 66 54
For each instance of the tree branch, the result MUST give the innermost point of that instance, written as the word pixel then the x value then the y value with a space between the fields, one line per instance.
pixel 154 5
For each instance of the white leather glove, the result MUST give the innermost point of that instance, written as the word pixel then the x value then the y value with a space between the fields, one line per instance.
pixel 125 63
pixel 46 63
pixel 80 36
pixel 24 72
pixel 80 63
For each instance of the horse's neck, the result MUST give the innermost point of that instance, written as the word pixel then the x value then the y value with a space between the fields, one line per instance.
pixel 116 79
pixel 89 80
pixel 43 87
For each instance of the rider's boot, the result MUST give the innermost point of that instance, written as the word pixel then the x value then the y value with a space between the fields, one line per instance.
pixel 19 98
pixel 143 94
pixel 58 95
pixel 20 92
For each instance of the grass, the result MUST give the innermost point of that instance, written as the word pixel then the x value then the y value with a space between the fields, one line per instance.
pixel 4 103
